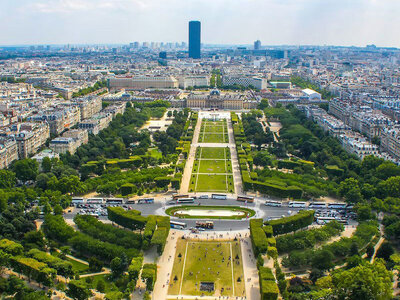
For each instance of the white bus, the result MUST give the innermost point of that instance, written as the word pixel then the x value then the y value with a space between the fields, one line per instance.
pixel 324 220
pixel 177 225
pixel 337 205
pixel 273 203
pixel 77 200
pixel 317 205
pixel 297 204
pixel 114 201
pixel 185 200
pixel 94 201
pixel 218 196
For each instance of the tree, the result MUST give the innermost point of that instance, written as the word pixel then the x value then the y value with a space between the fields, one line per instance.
pixel 58 210
pixel 116 267
pixel 385 251
pixel 101 286
pixel 26 169
pixel 46 165
pixel 78 290
pixel 322 260
pixel 366 281
pixel 364 213
pixel 95 265
pixel 7 179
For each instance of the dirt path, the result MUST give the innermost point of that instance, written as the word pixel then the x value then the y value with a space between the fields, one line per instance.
pixel 237 178
pixel 252 285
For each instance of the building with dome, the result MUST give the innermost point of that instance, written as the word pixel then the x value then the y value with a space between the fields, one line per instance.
pixel 217 100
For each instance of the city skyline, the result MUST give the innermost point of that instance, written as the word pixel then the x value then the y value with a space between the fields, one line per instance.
pixel 289 22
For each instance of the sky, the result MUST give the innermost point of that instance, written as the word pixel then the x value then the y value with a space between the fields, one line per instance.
pixel 274 22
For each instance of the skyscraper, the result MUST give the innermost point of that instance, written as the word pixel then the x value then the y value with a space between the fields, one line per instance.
pixel 257 45
pixel 194 39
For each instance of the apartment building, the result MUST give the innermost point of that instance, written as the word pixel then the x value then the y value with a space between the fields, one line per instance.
pixel 142 82
pixel 30 137
pixel 390 141
pixel 69 142
pixel 256 82
pixel 8 152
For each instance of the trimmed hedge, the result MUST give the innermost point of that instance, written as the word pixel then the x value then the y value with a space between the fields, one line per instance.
pixel 288 224
pixel 135 267
pixel 11 247
pixel 159 239
pixel 131 219
pixel 268 230
pixel 63 267
pixel 268 288
pixel 272 252
pixel 258 237
pixel 149 275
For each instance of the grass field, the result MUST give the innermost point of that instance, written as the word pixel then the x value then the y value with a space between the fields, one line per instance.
pixel 217 262
pixel 214 132
pixel 212 171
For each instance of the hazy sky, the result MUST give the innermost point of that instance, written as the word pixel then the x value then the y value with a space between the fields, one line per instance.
pixel 274 22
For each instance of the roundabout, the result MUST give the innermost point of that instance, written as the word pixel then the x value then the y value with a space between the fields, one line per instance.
pixel 210 212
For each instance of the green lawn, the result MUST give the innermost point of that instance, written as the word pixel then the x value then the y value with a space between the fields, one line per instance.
pixel 211 183
pixel 93 280
pixel 218 262
pixel 211 152
pixel 212 166
pixel 153 152
pixel 213 138
pixel 78 267
pixel 214 132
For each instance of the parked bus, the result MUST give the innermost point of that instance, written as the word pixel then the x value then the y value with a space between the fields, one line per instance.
pixel 185 200
pixel 146 201
pixel 94 201
pixel 178 225
pixel 246 199
pixel 317 205
pixel 297 204
pixel 77 200
pixel 130 202
pixel 114 201
pixel 218 196
pixel 324 220
pixel 206 224
pixel 176 196
pixel 273 203
pixel 337 205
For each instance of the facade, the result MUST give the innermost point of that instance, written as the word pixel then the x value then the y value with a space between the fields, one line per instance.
pixel 30 137
pixel 257 45
pixel 69 142
pixel 216 100
pixel 390 141
pixel 258 83
pixel 142 82
pixel 193 81
pixel 194 39
pixel 8 152
pixel 311 95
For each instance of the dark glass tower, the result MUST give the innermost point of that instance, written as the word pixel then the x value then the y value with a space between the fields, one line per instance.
pixel 194 39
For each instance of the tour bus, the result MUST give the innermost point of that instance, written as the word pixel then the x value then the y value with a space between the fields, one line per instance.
pixel 246 199
pixel 146 201
pixel 273 203
pixel 114 201
pixel 317 205
pixel 176 196
pixel 324 220
pixel 185 200
pixel 205 224
pixel 337 205
pixel 297 204
pixel 177 225
pixel 94 201
pixel 130 202
pixel 77 200
pixel 218 196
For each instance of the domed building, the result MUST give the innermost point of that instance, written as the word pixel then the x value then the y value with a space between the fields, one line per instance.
pixel 218 100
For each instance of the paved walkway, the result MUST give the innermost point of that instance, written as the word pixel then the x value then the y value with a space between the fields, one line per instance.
pixel 250 270
pixel 165 264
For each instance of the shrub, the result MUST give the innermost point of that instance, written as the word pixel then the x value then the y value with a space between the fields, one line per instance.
pixel 129 219
pixel 258 237
pixel 292 223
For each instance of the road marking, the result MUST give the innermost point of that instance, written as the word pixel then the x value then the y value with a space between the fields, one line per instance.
pixel 183 269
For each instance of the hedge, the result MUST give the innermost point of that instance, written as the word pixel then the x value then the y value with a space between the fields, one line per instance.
pixel 258 237
pixel 135 267
pixel 150 227
pixel 159 239
pixel 33 269
pixel 127 189
pixel 288 224
pixel 63 267
pixel 268 288
pixel 130 219
pixel 271 241
pixel 272 252
pixel 149 275
pixel 287 164
pixel 268 230
pixel 11 247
